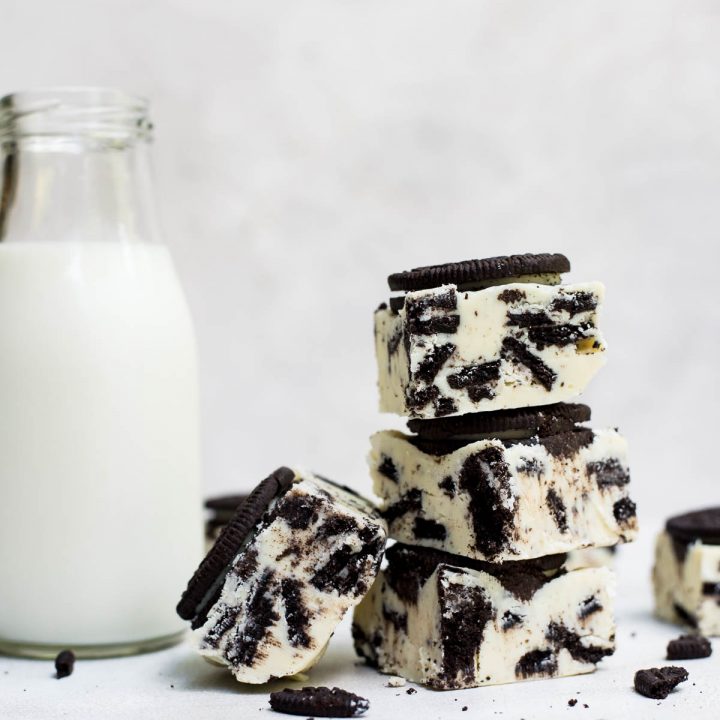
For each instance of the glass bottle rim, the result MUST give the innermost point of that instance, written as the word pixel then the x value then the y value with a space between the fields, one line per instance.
pixel 73 111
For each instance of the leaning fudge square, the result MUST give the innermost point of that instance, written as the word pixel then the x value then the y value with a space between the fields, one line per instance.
pixel 448 352
pixel 499 500
pixel 297 555
pixel 686 575
pixel 449 622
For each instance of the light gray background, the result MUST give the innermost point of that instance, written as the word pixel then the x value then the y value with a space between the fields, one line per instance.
pixel 306 149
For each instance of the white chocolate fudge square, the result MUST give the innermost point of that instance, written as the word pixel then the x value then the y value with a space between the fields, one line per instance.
pixel 310 559
pixel 435 620
pixel 500 500
pixel 686 581
pixel 450 352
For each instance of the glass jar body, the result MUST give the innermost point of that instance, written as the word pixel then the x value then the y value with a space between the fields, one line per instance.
pixel 100 512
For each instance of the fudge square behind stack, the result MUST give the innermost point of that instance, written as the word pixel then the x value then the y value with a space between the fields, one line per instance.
pixel 498 479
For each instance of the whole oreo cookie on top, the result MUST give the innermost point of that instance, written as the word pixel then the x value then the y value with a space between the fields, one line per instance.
pixel 543 420
pixel 471 273
pixel 206 583
pixel 702 525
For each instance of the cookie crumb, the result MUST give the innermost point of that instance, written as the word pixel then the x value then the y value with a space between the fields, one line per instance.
pixel 411 691
pixel 572 702
pixel 64 664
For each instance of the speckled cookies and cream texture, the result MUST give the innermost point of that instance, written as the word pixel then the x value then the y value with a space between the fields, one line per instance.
pixel 451 352
pixel 497 501
pixel 686 580
pixel 313 556
pixel 452 627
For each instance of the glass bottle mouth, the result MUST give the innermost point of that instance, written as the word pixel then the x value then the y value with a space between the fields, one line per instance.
pixel 74 112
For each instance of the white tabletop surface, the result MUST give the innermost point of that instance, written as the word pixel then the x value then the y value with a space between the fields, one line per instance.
pixel 175 683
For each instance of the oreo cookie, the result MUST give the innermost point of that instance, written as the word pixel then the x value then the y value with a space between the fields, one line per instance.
pixel 689 647
pixel 225 503
pixel 319 702
pixel 543 421
pixel 658 683
pixel 222 509
pixel 204 586
pixel 472 274
pixel 702 525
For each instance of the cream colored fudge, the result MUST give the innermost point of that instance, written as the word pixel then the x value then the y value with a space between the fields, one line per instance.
pixel 448 352
pixel 311 557
pixel 448 622
pixel 500 500
pixel 686 575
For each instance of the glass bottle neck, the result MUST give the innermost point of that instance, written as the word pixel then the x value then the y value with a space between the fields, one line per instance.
pixel 74 172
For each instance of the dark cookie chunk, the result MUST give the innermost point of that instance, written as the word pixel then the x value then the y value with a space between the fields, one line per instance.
pixel 204 586
pixel 562 637
pixel 624 511
pixel 472 273
pixel 485 477
pixel 589 606
pixel 418 399
pixel 511 295
pixel 528 318
pixel 574 303
pixel 658 683
pixel 425 529
pixel 409 567
pixel 432 362
pixel 261 616
pixel 466 612
pixel 536 662
pixel 703 525
pixel 689 647
pixel 396 619
pixel 410 502
pixel 431 315
pixel 343 568
pixel 388 468
pixel 608 473
pixel 557 509
pixel 474 375
pixel 558 335
pixel 542 420
pixel 519 353
pixel 64 664
pixel 318 701
pixel 510 620
pixel 297 614
pixel 567 444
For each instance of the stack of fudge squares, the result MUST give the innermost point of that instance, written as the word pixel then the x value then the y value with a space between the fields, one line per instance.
pixel 497 482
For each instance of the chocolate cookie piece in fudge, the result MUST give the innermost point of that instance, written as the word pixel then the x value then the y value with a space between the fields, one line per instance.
pixel 449 622
pixel 296 556
pixel 520 494
pixel 686 575
pixel 451 351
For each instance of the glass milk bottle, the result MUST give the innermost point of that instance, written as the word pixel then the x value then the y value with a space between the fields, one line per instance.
pixel 100 512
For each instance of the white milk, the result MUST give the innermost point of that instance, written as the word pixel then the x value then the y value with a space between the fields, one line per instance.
pixel 100 512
